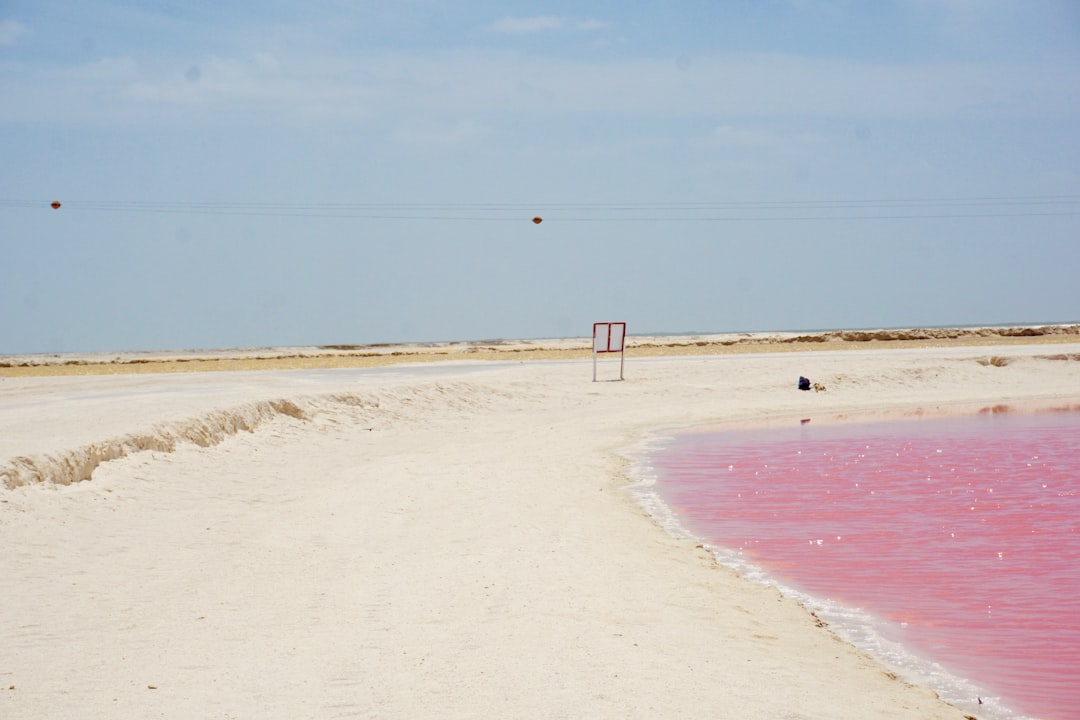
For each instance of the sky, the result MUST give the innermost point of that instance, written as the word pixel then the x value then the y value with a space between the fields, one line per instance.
pixel 289 172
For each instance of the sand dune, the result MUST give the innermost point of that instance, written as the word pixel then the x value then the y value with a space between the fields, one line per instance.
pixel 452 539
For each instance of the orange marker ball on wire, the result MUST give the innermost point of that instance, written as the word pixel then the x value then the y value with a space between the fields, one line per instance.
pixel 55 204
pixel 537 220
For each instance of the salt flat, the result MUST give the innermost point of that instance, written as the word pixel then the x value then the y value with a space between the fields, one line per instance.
pixel 454 539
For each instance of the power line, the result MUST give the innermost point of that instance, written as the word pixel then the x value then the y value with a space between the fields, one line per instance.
pixel 655 211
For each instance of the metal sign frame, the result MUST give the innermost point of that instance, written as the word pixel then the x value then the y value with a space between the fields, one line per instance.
pixel 609 337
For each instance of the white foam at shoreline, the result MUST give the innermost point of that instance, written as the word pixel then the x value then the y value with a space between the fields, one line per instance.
pixel 853 625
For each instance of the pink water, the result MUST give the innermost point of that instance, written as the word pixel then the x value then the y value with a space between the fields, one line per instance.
pixel 961 535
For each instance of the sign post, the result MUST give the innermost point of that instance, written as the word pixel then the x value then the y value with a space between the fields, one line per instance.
pixel 608 337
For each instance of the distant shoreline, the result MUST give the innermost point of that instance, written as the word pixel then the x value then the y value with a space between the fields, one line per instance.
pixel 376 355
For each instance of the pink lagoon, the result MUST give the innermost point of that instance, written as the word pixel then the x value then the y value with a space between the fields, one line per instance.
pixel 947 545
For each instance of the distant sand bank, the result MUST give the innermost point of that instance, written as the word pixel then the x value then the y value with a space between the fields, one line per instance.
pixel 361 356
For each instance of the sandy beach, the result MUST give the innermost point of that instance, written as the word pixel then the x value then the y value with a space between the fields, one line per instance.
pixel 440 531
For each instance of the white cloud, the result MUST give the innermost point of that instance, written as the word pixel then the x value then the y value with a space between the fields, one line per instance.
pixel 99 74
pixel 821 7
pixel 471 84
pixel 265 61
pixel 736 86
pixel 10 32
pixel 591 25
pixel 258 85
pixel 462 132
pixel 526 25
pixel 743 137
pixel 544 23
pixel 750 137
pixel 121 90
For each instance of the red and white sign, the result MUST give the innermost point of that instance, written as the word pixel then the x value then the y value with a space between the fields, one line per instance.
pixel 608 337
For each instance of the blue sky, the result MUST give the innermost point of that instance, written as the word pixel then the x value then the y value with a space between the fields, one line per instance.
pixel 240 174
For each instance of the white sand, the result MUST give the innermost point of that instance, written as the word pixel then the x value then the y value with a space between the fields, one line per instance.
pixel 449 541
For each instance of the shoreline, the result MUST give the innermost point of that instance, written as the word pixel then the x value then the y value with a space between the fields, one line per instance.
pixel 863 630
pixel 296 539
pixel 379 355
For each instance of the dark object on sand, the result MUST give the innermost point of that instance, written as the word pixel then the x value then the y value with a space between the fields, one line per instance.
pixel 804 383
